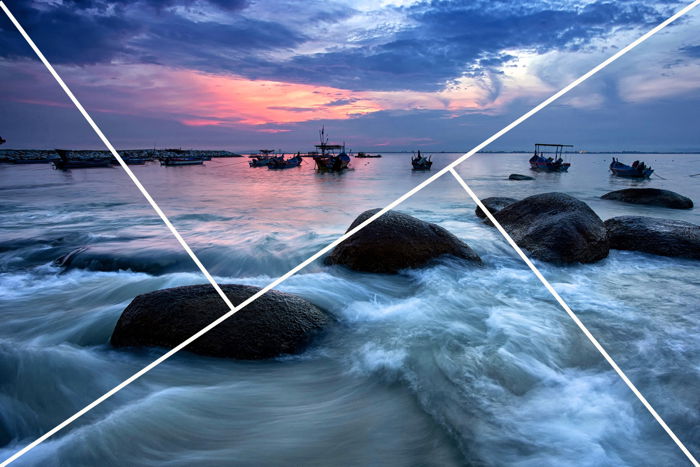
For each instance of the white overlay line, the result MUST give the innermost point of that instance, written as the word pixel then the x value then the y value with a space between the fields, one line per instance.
pixel 575 318
pixel 317 255
pixel 114 152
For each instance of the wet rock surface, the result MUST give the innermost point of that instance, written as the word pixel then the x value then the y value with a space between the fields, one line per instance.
pixel 665 237
pixel 397 241
pixel 556 227
pixel 651 197
pixel 274 324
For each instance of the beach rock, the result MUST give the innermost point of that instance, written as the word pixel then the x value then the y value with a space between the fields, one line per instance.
pixel 494 204
pixel 276 323
pixel 397 241
pixel 650 196
pixel 556 227
pixel 520 177
pixel 136 256
pixel 665 237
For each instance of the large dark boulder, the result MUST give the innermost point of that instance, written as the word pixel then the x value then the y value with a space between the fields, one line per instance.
pixel 397 241
pixel 494 204
pixel 556 227
pixel 650 196
pixel 664 237
pixel 276 323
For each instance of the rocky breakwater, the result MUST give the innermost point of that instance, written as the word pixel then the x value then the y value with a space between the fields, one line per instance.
pixel 275 324
pixel 25 156
pixel 397 241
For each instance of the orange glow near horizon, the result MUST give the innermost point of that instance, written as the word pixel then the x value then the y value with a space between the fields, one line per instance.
pixel 226 100
pixel 200 99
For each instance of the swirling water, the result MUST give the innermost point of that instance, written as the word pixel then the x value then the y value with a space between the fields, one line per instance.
pixel 447 365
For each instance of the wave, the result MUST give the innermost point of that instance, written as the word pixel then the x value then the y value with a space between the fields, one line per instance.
pixel 448 365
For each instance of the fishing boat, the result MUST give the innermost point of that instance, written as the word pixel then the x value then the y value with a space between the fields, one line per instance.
pixel 636 170
pixel 364 155
pixel 279 162
pixel 421 162
pixel 327 160
pixel 181 160
pixel 262 159
pixel 549 160
pixel 66 162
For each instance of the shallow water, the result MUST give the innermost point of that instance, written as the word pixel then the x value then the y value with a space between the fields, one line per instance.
pixel 448 365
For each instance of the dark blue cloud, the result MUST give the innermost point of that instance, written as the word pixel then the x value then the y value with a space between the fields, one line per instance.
pixel 83 32
pixel 451 38
pixel 437 41
pixel 692 51
pixel 66 34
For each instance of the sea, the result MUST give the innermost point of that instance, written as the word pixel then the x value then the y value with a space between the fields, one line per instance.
pixel 449 365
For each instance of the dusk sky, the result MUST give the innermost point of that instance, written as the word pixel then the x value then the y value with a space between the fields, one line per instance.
pixel 380 75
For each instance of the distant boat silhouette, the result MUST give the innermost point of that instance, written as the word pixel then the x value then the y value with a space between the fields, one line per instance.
pixel 2 140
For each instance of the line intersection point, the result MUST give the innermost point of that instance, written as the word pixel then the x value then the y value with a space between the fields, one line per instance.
pixel 233 309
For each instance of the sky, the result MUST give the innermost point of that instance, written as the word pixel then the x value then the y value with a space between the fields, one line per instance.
pixel 380 75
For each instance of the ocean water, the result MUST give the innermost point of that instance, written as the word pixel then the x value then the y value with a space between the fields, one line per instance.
pixel 447 365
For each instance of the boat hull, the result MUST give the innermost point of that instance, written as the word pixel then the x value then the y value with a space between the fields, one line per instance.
pixel 423 166
pixel 277 164
pixel 549 167
pixel 332 163
pixel 625 171
pixel 172 163
pixel 77 164
pixel 259 162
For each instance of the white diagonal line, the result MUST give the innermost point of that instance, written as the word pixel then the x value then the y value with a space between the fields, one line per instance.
pixel 114 152
pixel 575 318
pixel 317 255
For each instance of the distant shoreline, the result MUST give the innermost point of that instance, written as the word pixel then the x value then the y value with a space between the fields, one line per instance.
pixel 224 153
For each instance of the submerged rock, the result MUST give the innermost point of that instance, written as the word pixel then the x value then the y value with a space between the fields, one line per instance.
pixel 135 256
pixel 397 241
pixel 276 323
pixel 494 204
pixel 556 227
pixel 665 237
pixel 650 196
pixel 520 177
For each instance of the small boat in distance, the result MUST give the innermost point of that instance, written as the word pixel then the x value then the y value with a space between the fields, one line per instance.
pixel 66 161
pixel 636 170
pixel 364 155
pixel 180 157
pixel 543 161
pixel 263 152
pixel 262 159
pixel 420 162
pixel 279 162
pixel 184 160
pixel 327 160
